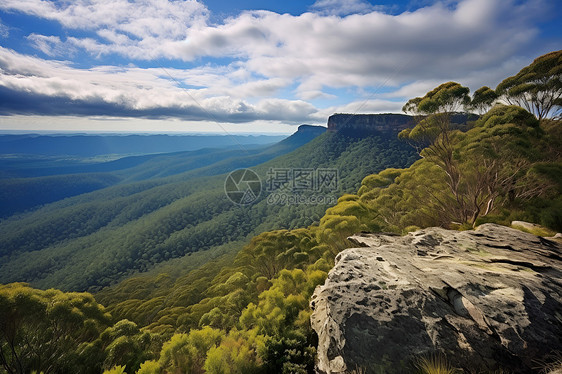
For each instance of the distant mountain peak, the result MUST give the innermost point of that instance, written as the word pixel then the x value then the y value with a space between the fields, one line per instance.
pixel 311 128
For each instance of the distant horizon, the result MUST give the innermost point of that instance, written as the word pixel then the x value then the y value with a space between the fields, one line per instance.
pixel 147 133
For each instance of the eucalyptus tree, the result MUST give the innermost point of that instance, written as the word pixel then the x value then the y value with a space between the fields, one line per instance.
pixel 482 100
pixel 537 87
pixel 432 136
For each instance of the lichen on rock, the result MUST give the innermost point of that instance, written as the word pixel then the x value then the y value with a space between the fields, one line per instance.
pixel 487 299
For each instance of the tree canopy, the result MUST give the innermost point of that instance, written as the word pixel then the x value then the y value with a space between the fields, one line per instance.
pixel 537 87
pixel 448 97
pixel 482 99
pixel 41 330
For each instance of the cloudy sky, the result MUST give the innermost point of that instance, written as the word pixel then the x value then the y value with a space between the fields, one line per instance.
pixel 251 65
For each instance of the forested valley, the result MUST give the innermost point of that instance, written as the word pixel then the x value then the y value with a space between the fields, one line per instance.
pixel 93 240
pixel 183 281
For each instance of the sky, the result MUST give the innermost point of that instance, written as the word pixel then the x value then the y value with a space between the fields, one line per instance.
pixel 250 66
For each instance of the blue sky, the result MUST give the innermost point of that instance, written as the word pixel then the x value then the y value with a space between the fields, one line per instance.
pixel 250 66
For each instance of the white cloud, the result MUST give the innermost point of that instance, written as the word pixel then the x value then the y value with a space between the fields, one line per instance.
pixel 4 30
pixel 264 54
pixel 362 50
pixel 43 123
pixel 344 7
pixel 130 28
pixel 413 89
pixel 50 45
pixel 362 107
pixel 136 92
pixel 138 19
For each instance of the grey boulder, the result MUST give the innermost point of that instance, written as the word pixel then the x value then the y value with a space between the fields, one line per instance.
pixel 485 299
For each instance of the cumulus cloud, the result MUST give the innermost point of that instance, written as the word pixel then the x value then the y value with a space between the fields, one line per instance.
pixel 121 26
pixel 339 45
pixel 136 19
pixel 367 50
pixel 30 85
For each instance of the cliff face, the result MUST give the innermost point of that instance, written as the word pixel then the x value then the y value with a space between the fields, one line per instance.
pixel 317 130
pixel 486 299
pixel 385 123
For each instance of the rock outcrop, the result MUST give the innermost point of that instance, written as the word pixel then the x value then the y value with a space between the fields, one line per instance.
pixel 485 299
pixel 368 123
pixel 316 130
pixel 386 124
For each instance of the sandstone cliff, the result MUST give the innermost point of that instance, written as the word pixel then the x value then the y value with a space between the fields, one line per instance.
pixel 386 123
pixel 390 124
pixel 486 299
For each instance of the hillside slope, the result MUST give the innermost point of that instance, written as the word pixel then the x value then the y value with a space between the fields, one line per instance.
pixel 96 239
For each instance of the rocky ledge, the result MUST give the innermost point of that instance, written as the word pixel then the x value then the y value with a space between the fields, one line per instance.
pixel 485 299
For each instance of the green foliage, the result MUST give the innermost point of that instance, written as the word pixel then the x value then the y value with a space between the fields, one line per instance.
pixel 482 99
pixel 41 330
pixel 505 161
pixel 289 355
pixel 122 344
pixel 149 367
pixel 208 350
pixel 477 176
pixel 284 307
pixel 446 98
pixel 433 136
pixel 20 194
pixel 115 370
pixel 187 352
pixel 380 180
pixel 537 87
pixel 126 344
pixel 240 311
pixel 236 354
pixel 536 230
pixel 503 114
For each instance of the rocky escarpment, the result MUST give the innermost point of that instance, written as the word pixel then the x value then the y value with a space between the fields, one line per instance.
pixel 388 123
pixel 316 130
pixel 361 123
pixel 486 299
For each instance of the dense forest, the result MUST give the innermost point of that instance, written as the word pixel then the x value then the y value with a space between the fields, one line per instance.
pixel 247 310
pixel 94 240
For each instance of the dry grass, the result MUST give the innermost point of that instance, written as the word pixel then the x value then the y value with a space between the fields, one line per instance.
pixel 435 364
pixel 553 365
pixel 537 230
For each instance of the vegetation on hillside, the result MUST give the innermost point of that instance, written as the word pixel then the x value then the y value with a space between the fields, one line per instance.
pixel 249 312
pixel 96 239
